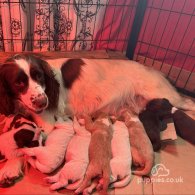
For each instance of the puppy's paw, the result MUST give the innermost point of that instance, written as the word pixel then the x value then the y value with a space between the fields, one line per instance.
pixel 52 179
pixel 11 171
pixel 59 184
pixel 87 191
pixel 57 181
pixel 27 151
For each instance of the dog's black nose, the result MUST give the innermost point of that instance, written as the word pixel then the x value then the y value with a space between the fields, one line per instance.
pixel 41 101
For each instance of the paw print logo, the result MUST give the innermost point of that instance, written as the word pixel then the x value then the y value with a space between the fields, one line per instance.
pixel 160 170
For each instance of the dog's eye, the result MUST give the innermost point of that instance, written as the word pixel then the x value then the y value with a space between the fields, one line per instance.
pixel 19 83
pixel 37 76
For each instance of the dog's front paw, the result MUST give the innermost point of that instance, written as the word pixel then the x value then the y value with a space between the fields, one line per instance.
pixel 11 171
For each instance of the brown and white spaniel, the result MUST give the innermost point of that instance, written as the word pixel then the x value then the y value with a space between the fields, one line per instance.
pixel 46 88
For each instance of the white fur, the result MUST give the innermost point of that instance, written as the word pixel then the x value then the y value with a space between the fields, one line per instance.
pixel 121 155
pixel 173 110
pixel 112 84
pixel 76 160
pixel 51 156
pixel 105 84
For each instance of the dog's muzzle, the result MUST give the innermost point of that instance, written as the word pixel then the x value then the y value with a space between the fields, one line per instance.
pixel 40 102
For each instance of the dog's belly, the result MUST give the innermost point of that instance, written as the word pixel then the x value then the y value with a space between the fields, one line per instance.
pixel 111 84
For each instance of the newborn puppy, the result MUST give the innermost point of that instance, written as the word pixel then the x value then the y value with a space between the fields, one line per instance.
pixel 51 156
pixel 18 132
pixel 99 152
pixel 141 147
pixel 152 126
pixel 121 158
pixel 77 159
pixel 152 119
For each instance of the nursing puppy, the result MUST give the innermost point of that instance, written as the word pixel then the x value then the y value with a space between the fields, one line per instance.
pixel 99 152
pixel 153 121
pixel 49 157
pixel 76 161
pixel 141 147
pixel 18 132
pixel 121 159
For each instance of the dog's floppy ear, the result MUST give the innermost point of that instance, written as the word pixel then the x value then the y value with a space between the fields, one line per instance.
pixel 6 101
pixel 52 85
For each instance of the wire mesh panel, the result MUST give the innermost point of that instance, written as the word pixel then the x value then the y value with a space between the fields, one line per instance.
pixel 166 36
pixel 65 25
pixel 167 40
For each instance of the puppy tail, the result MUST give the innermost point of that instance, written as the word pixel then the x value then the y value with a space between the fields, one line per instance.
pixel 125 181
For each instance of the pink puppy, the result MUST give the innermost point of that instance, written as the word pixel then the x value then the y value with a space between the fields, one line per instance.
pixel 51 156
pixel 121 157
pixel 72 174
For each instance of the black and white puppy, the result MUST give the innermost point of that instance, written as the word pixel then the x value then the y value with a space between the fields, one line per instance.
pixel 19 132
pixel 81 85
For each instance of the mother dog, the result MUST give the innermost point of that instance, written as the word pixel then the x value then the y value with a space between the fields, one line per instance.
pixel 80 85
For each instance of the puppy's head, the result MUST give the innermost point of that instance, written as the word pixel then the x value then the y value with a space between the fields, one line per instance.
pixel 30 80
pixel 161 107
pixel 26 132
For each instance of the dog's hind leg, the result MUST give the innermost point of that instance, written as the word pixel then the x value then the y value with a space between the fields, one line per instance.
pixel 178 100
pixel 185 104
pixel 157 86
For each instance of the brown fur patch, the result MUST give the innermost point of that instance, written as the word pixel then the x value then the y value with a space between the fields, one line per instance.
pixel 100 153
pixel 71 70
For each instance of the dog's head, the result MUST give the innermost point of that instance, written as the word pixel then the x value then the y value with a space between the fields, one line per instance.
pixel 30 80
pixel 161 107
